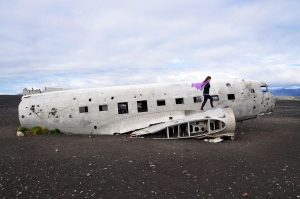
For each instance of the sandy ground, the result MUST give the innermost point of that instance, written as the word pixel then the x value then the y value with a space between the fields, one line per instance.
pixel 263 162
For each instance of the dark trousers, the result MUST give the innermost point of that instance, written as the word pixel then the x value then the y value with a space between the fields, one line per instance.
pixel 205 100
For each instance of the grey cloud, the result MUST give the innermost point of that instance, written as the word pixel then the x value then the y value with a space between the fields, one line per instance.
pixel 111 38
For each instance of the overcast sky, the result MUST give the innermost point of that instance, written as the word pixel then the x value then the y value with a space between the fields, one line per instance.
pixel 79 43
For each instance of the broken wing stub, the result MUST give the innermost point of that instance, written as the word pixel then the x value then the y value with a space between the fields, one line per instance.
pixel 213 123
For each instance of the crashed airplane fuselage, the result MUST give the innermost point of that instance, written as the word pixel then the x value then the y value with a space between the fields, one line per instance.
pixel 164 111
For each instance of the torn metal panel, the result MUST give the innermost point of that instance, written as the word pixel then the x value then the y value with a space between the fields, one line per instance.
pixel 215 140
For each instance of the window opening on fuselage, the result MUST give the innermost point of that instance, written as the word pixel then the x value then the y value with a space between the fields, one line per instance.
pixel 83 109
pixel 264 89
pixel 179 101
pixel 123 107
pixel 197 99
pixel 142 106
pixel 103 107
pixel 161 102
pixel 231 97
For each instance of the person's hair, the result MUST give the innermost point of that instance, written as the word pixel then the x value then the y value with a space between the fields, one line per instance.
pixel 207 78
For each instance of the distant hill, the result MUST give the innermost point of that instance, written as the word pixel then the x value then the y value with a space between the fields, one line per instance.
pixel 285 92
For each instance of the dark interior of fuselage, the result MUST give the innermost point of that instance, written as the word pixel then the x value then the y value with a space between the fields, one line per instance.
pixel 188 130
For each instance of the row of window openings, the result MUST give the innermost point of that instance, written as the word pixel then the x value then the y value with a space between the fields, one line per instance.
pixel 143 107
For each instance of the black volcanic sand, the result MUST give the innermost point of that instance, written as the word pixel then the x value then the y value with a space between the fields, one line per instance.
pixel 263 162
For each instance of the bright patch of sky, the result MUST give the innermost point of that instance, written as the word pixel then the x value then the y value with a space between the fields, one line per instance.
pixel 77 44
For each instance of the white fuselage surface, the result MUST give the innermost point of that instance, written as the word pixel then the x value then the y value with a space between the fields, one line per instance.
pixel 122 109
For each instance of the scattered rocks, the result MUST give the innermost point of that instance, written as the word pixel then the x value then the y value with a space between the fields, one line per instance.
pixel 20 134
pixel 154 192
pixel 85 164
pixel 152 165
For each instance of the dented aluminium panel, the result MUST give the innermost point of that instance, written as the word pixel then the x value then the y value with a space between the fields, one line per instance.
pixel 124 109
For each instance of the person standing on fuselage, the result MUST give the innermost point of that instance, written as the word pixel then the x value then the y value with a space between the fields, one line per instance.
pixel 206 92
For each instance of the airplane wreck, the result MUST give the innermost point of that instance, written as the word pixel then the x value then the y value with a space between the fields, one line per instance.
pixel 158 111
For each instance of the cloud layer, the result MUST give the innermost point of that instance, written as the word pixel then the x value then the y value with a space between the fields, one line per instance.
pixel 80 43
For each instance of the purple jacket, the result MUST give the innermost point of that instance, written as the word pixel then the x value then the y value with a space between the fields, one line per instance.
pixel 199 85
